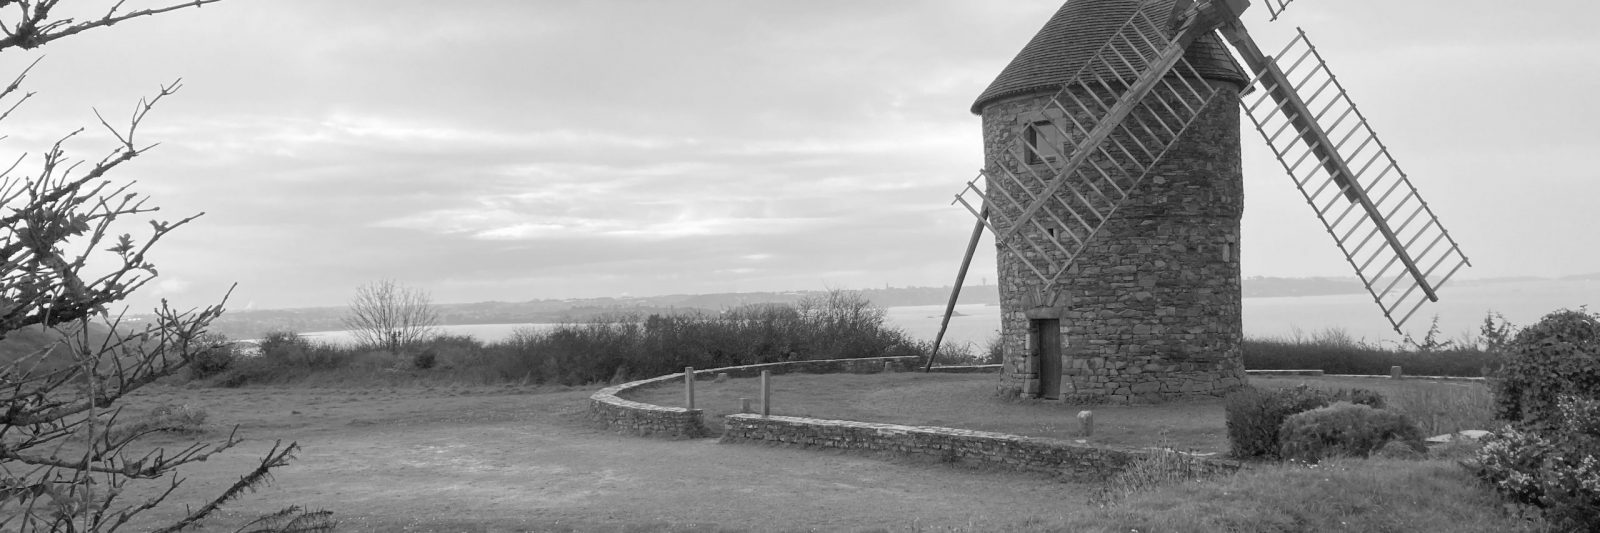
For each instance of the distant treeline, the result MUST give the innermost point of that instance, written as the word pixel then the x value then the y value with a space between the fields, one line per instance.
pixel 252 324
pixel 833 325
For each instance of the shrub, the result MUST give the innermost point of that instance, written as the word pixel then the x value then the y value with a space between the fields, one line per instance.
pixel 424 359
pixel 1344 429
pixel 1559 355
pixel 995 350
pixel 212 360
pixel 1255 415
pixel 1554 468
pixel 286 356
pixel 1340 357
pixel 840 325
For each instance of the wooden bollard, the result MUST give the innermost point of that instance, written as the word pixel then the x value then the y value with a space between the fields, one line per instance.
pixel 688 386
pixel 744 405
pixel 888 366
pixel 766 393
pixel 1086 423
pixel 1394 372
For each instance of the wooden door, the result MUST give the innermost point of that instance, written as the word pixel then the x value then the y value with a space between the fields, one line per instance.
pixel 1049 343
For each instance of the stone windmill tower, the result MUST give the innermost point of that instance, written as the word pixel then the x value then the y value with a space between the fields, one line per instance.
pixel 1113 187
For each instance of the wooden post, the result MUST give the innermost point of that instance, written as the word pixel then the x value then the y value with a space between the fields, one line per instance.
pixel 744 405
pixel 766 393
pixel 1394 372
pixel 1086 423
pixel 688 386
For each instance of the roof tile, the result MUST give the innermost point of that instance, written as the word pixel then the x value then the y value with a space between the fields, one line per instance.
pixel 1073 35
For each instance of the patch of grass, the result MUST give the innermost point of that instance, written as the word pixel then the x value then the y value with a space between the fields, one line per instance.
pixel 1161 468
pixel 181 419
pixel 1365 495
pixel 1372 495
pixel 1446 407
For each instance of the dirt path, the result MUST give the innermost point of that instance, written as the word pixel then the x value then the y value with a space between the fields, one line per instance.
pixel 499 459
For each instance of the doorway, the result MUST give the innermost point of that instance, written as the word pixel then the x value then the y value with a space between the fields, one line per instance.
pixel 1047 339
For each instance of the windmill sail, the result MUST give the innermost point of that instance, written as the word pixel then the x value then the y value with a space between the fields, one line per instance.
pixel 1055 186
pixel 1277 7
pixel 1385 229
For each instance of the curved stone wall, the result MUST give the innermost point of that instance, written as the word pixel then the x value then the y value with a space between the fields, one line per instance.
pixel 1014 452
pixel 645 419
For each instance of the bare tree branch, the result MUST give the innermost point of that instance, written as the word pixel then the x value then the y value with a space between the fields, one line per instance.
pixel 35 27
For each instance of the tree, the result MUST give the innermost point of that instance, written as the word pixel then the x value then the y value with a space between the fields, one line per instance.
pixel 391 316
pixel 65 461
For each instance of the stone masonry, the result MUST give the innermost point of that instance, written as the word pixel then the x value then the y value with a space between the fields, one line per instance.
pixel 1151 310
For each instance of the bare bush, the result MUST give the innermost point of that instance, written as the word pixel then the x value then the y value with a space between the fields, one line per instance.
pixel 385 314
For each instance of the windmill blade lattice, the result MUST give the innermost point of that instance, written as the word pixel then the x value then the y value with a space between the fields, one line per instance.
pixel 1385 229
pixel 1277 7
pixel 1046 200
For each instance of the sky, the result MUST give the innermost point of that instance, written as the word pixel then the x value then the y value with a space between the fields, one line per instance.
pixel 515 150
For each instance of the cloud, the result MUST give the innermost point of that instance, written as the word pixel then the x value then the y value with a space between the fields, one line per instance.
pixel 515 150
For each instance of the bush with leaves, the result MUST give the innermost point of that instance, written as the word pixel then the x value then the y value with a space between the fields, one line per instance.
pixel 214 360
pixel 1547 385
pixel 1255 415
pixel 1555 468
pixel 1344 429
pixel 1559 355
pixel 66 461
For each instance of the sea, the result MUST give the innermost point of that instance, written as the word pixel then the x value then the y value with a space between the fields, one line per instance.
pixel 1460 312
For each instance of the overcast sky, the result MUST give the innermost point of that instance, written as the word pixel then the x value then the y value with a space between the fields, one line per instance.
pixel 512 150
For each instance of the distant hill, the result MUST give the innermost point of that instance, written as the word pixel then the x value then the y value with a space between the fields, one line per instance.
pixel 256 323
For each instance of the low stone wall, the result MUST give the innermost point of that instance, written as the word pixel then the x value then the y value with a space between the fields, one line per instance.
pixel 645 419
pixel 868 365
pixel 966 369
pixel 638 418
pixel 1365 376
pixel 1014 452
pixel 1283 372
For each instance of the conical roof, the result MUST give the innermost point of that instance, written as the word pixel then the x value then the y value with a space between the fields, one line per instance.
pixel 1076 32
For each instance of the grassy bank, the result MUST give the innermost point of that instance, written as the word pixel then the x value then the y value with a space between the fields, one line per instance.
pixel 1335 352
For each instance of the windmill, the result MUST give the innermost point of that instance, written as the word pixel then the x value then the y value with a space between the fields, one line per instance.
pixel 1114 195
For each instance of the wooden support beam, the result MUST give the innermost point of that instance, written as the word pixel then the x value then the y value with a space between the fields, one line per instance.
pixel 955 293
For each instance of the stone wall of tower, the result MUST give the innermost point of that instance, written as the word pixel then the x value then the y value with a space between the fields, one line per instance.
pixel 1151 310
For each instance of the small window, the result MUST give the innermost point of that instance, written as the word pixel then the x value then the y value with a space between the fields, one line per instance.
pixel 1044 143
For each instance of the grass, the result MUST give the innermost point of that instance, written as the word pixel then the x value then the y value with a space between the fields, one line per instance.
pixel 1368 495
pixel 1166 493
